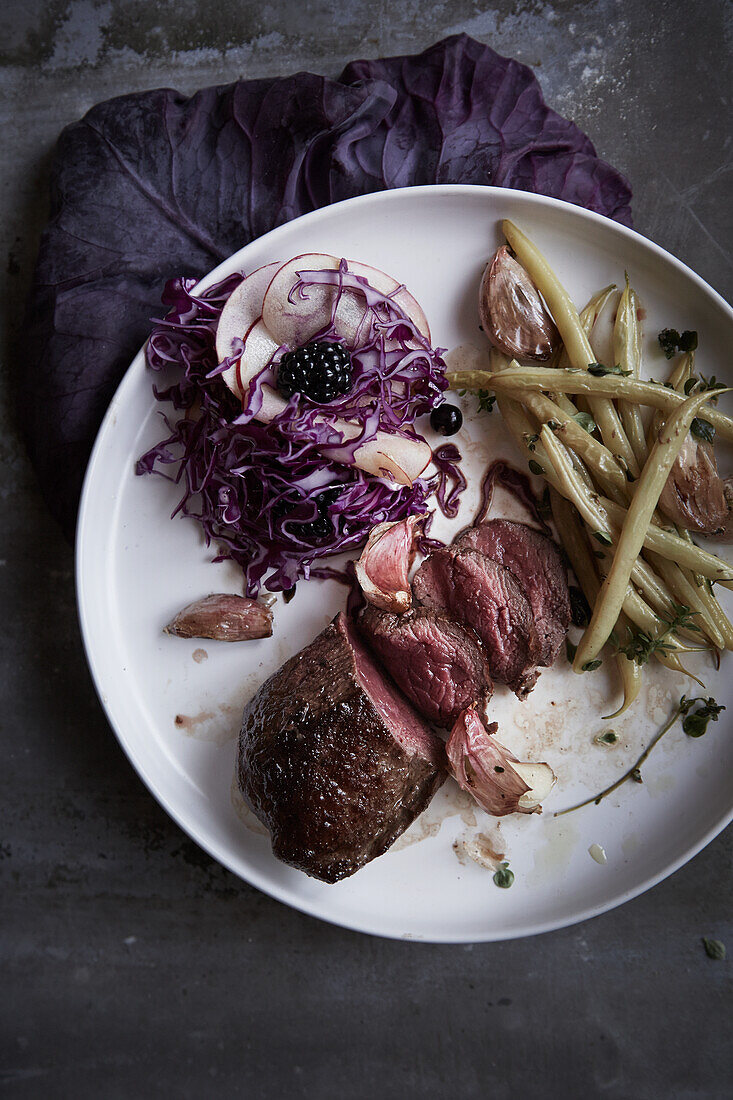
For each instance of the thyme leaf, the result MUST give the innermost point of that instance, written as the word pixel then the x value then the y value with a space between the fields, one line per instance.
pixel 702 429
pixel 696 724
pixel 503 877
pixel 700 384
pixel 486 401
pixel 586 421
pixel 714 949
pixel 599 370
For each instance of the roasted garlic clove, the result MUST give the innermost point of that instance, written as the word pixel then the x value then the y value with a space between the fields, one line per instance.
pixel 694 494
pixel 223 618
pixel 512 313
pixel 384 566
pixel 499 782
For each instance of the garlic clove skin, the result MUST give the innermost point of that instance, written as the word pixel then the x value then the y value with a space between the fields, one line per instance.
pixel 694 495
pixel 498 782
pixel 725 534
pixel 512 313
pixel 384 566
pixel 223 617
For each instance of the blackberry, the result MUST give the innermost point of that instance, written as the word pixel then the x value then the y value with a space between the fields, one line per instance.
pixel 320 371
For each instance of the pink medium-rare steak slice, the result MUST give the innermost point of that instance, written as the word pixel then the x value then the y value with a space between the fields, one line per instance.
pixel 485 596
pixel 536 562
pixel 439 664
pixel 333 759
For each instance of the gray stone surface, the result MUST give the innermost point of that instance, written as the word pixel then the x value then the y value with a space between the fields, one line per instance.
pixel 131 964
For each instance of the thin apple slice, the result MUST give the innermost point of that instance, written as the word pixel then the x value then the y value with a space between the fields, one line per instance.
pixel 242 308
pixel 259 348
pixel 385 284
pixel 295 323
pixel 294 319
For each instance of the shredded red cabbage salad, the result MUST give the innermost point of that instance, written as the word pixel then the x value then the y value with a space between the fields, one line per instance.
pixel 257 489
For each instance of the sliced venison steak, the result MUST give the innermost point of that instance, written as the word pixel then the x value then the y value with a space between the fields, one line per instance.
pixel 536 562
pixel 485 596
pixel 333 759
pixel 439 664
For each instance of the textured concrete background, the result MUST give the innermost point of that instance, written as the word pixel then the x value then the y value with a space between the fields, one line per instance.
pixel 131 964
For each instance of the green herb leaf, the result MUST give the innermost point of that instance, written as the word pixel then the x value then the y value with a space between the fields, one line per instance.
pixel 591 666
pixel 503 877
pixel 531 441
pixel 598 370
pixel 710 383
pixel 688 340
pixel 696 724
pixel 636 775
pixel 603 538
pixel 669 341
pixel 714 949
pixel 701 384
pixel 608 737
pixel 486 401
pixel 586 422
pixel 535 467
pixel 702 429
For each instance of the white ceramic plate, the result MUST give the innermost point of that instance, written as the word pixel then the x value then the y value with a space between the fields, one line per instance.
pixel 175 705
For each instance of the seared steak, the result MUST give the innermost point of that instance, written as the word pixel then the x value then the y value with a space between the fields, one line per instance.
pixel 535 561
pixel 333 760
pixel 440 665
pixel 484 595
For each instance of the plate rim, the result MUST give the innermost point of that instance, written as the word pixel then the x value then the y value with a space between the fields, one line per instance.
pixel 253 878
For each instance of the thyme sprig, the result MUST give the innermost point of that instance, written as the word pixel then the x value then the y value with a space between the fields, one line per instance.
pixel 641 646
pixel 486 401
pixel 700 384
pixel 694 725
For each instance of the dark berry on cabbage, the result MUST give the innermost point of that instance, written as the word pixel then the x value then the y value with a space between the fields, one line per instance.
pixel 320 371
pixel 316 529
pixel 446 419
